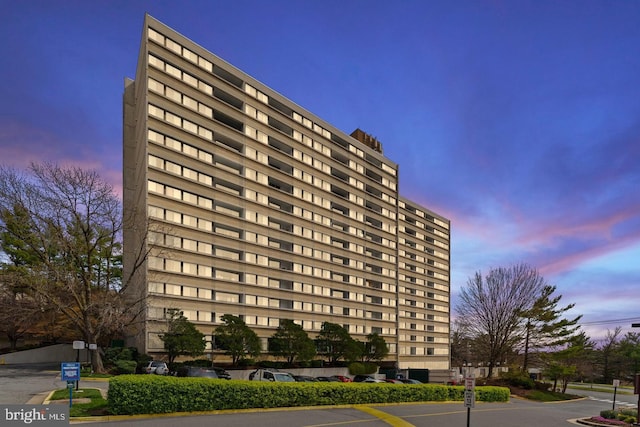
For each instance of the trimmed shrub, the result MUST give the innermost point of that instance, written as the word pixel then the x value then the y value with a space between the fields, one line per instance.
pixel 356 368
pixel 153 394
pixel 359 368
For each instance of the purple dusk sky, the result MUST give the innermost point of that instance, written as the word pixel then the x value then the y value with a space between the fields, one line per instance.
pixel 518 120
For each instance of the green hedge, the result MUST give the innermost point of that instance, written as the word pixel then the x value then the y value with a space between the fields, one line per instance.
pixel 154 394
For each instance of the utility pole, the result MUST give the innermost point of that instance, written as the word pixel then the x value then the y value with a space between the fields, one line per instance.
pixel 636 383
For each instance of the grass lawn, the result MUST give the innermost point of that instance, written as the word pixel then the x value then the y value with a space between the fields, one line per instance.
pixel 621 390
pixel 548 396
pixel 97 406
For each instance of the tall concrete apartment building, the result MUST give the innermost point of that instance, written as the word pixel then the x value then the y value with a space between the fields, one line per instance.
pixel 251 205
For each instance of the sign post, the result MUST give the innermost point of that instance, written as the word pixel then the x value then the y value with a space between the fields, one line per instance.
pixel 616 384
pixel 70 372
pixel 77 346
pixel 469 396
pixel 636 390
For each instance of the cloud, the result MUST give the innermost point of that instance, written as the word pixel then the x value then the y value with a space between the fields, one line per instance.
pixel 21 145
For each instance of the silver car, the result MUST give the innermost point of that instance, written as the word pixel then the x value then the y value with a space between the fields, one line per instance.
pixel 157 367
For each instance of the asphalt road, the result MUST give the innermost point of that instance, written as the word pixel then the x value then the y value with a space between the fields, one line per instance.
pixel 605 399
pixel 30 383
pixel 517 413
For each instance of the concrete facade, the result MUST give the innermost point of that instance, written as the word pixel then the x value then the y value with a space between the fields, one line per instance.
pixel 252 206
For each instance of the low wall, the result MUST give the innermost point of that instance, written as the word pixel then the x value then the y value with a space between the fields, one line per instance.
pixel 52 353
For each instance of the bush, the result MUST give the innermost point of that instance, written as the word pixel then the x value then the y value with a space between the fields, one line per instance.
pixel 125 366
pixel 542 386
pixel 272 364
pixel 626 415
pixel 518 379
pixel 608 414
pixel 358 368
pixel 175 366
pixel 246 362
pixel 153 394
pixel 113 354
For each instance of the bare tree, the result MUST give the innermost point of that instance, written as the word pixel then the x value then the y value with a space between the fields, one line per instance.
pixel 607 349
pixel 63 226
pixel 490 307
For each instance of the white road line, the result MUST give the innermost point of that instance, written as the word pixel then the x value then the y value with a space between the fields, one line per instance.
pixel 618 403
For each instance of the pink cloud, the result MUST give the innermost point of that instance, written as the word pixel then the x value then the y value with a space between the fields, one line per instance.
pixel 21 145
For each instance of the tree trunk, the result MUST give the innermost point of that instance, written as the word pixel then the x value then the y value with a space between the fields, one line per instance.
pixel 96 362
pixel 525 363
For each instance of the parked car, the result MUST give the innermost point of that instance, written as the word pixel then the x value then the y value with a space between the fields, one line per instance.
pixel 271 375
pixel 197 371
pixel 157 367
pixel 373 380
pixel 393 381
pixel 305 379
pixel 328 379
pixel 343 378
pixel 410 381
pixel 361 378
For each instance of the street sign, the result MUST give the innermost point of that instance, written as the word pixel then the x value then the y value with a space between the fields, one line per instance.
pixel 78 345
pixel 70 371
pixel 469 399
pixel 616 383
pixel 469 383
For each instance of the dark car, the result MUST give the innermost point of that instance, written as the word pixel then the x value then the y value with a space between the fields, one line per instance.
pixel 305 379
pixel 197 371
pixel 362 378
pixel 328 379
